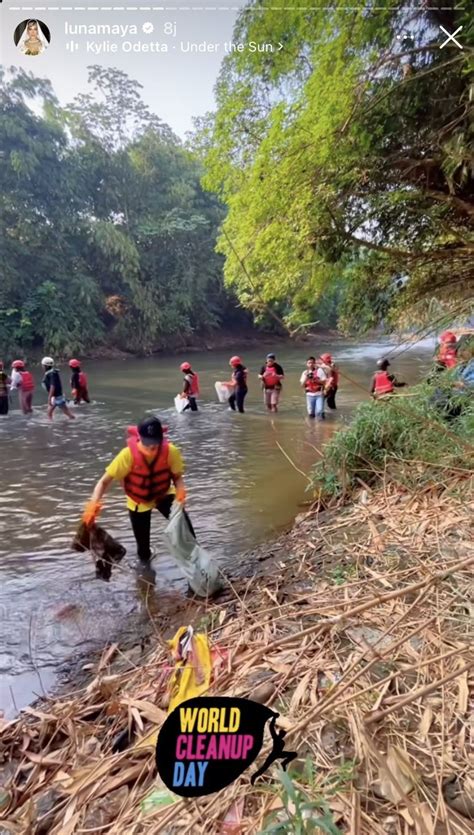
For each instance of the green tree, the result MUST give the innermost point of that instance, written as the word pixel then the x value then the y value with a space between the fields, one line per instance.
pixel 108 234
pixel 345 160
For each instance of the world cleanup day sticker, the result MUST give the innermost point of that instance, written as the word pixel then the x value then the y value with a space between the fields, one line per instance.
pixel 208 741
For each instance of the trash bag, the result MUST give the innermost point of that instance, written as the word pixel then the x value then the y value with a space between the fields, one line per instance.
pixel 104 548
pixel 180 403
pixel 198 567
pixel 222 392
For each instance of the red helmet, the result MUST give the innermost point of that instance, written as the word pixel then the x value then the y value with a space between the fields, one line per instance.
pixel 235 361
pixel 74 364
pixel 447 336
pixel 18 364
pixel 327 358
pixel 185 366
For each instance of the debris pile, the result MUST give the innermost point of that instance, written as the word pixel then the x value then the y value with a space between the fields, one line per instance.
pixel 356 631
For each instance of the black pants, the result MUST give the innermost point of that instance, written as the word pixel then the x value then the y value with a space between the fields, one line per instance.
pixel 4 404
pixel 331 398
pixel 191 405
pixel 238 398
pixel 141 523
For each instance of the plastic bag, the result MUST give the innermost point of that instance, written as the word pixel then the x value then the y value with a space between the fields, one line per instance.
pixel 222 392
pixel 198 567
pixel 180 403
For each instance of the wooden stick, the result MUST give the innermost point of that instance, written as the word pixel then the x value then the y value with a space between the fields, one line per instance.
pixel 416 694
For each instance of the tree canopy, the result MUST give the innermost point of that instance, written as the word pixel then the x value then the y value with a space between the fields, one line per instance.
pixel 345 162
pixel 108 236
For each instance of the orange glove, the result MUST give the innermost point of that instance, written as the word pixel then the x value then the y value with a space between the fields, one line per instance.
pixel 91 512
pixel 180 495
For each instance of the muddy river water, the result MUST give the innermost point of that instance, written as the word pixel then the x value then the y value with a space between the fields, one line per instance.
pixel 241 487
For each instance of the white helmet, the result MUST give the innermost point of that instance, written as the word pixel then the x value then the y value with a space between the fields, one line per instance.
pixel 47 361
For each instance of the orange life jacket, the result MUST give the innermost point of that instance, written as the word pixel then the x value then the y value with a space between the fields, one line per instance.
pixel 27 381
pixel 383 383
pixel 270 377
pixel 313 384
pixel 83 379
pixel 448 355
pixel 193 380
pixel 149 480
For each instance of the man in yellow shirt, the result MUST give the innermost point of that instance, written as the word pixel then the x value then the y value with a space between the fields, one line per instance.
pixel 150 469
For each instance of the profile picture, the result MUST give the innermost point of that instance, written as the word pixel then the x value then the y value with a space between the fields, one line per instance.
pixel 32 37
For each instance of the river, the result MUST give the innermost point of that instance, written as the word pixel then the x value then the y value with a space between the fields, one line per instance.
pixel 241 491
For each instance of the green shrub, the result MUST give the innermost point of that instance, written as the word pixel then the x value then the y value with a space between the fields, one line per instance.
pixel 411 439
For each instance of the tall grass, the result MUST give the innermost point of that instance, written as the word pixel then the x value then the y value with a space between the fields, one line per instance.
pixel 412 440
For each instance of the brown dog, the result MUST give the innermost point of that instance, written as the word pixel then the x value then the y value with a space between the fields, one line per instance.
pixel 104 548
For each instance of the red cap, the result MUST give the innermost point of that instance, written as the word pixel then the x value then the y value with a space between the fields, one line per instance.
pixel 185 366
pixel 74 364
pixel 235 361
pixel 447 336
pixel 18 364
pixel 326 358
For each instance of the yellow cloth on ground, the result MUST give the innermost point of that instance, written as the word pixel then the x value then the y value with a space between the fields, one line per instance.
pixel 122 464
pixel 191 677
pixel 192 674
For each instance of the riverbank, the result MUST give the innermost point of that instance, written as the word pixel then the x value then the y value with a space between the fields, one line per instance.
pixel 220 340
pixel 355 628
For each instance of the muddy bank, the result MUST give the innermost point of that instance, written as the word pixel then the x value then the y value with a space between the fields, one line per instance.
pixel 213 341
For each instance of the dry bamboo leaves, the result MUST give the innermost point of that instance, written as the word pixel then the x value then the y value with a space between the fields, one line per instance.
pixel 368 664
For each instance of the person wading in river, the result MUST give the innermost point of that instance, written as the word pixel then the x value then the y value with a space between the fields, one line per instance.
pixel 79 383
pixel 23 382
pixel 4 381
pixel 382 381
pixel 190 386
pixel 238 384
pixel 332 384
pixel 54 387
pixel 314 380
pixel 271 375
pixel 150 469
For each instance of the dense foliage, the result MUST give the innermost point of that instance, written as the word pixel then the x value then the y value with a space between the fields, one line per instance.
pixel 345 161
pixel 107 235
pixel 415 440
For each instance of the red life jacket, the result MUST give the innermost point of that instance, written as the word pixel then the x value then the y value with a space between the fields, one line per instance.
pixel 448 355
pixel 193 380
pixel 313 384
pixel 83 380
pixel 149 480
pixel 27 381
pixel 270 377
pixel 383 383
pixel 334 376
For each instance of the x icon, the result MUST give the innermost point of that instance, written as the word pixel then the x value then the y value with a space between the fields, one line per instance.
pixel 451 37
